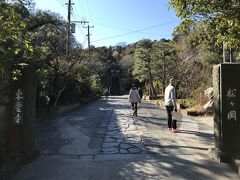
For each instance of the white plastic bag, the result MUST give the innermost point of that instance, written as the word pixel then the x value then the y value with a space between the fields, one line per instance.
pixel 177 115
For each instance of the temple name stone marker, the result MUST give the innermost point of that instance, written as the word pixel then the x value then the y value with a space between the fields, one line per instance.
pixel 22 113
pixel 226 83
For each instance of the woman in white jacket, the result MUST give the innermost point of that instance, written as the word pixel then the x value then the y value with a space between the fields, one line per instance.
pixel 134 98
pixel 171 105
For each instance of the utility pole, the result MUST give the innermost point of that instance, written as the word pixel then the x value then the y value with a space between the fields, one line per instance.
pixel 68 27
pixel 88 35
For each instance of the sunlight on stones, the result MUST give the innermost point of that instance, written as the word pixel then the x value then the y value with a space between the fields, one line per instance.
pixel 123 135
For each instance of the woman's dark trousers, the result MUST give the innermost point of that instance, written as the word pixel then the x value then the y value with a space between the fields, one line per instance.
pixel 171 123
pixel 134 107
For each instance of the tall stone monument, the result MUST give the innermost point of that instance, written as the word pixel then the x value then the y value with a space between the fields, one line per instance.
pixel 226 83
pixel 22 113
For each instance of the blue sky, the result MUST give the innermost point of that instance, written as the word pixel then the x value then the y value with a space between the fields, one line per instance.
pixel 117 21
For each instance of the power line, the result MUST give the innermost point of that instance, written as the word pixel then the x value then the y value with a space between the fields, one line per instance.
pixel 80 7
pixel 76 9
pixel 62 4
pixel 81 30
pixel 83 10
pixel 89 11
pixel 136 31
pixel 84 41
pixel 123 29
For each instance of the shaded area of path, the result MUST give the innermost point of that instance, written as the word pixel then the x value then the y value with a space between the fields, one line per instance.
pixel 103 141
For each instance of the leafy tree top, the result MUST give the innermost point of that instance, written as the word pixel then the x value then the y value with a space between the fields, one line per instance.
pixel 220 18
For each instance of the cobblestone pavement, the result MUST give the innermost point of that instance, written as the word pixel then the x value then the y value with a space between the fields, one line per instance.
pixel 124 135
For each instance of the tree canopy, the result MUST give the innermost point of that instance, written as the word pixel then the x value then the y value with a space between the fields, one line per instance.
pixel 220 19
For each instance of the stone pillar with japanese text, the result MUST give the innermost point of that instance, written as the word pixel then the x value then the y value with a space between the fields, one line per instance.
pixel 22 112
pixel 226 84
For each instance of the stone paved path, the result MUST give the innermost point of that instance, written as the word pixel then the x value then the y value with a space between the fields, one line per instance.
pixel 123 134
pixel 102 141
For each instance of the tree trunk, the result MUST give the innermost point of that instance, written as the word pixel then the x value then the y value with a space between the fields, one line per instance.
pixel 152 90
pixel 59 94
